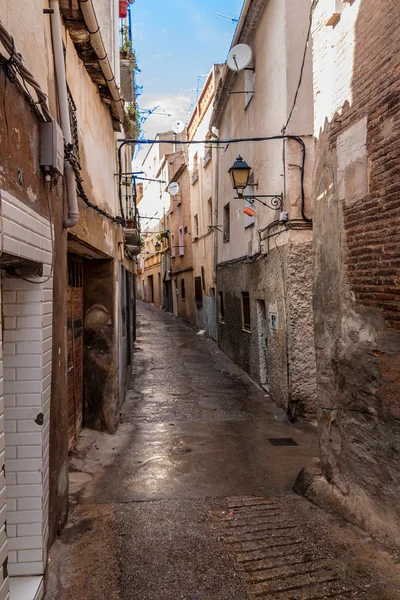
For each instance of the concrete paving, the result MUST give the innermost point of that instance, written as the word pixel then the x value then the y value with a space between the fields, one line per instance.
pixel 191 499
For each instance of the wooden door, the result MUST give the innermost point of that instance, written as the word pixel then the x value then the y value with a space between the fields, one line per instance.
pixel 75 349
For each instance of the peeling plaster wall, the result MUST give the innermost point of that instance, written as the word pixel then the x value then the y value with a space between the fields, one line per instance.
pixel 357 264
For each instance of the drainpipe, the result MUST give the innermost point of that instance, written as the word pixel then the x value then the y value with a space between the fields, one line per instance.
pixel 89 16
pixel 216 185
pixel 58 51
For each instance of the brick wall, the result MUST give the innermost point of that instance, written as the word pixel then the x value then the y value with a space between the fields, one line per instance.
pixel 27 354
pixel 357 261
pixel 363 89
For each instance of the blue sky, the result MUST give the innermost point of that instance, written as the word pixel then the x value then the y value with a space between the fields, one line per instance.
pixel 175 41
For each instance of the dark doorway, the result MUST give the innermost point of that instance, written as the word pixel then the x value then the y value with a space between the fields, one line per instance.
pixel 150 289
pixel 75 348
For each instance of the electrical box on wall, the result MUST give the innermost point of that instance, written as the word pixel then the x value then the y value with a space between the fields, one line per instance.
pixel 52 147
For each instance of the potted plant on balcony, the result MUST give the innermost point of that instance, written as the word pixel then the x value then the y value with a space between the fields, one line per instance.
pixel 133 113
pixel 126 49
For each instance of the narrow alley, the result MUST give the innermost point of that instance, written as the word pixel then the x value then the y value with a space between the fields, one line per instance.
pixel 192 498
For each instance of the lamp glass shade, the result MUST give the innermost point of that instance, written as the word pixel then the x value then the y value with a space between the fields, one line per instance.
pixel 239 174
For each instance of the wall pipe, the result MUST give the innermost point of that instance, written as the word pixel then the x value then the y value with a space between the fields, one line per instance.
pixel 58 51
pixel 266 138
pixel 92 25
pixel 215 197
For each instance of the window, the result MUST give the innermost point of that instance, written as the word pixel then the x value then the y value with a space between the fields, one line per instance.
pixel 173 254
pixel 183 291
pixel 207 158
pixel 196 226
pixel 210 212
pixel 203 278
pixel 198 292
pixel 195 172
pixel 249 81
pixel 221 307
pixel 227 223
pixel 246 311
pixel 181 242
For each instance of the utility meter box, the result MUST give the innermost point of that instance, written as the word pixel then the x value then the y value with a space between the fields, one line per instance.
pixel 52 147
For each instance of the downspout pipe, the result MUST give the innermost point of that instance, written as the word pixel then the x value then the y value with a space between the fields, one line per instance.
pixel 215 194
pixel 89 16
pixel 58 50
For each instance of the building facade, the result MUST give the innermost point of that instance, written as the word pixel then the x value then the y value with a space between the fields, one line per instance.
pixel 356 197
pixel 181 235
pixel 202 176
pixel 264 257
pixel 67 276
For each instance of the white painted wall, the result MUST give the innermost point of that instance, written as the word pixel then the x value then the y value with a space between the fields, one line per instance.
pixel 278 44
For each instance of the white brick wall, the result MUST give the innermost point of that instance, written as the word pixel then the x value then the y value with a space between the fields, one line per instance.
pixel 4 583
pixel 27 310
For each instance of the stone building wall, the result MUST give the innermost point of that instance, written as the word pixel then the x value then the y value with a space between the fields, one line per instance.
pixel 357 262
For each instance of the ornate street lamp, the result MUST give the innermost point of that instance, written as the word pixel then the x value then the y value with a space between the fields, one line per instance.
pixel 157 245
pixel 240 175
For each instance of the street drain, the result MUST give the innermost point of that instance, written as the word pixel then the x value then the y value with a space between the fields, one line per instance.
pixel 282 442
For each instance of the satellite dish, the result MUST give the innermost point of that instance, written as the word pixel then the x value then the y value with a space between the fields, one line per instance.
pixel 178 126
pixel 239 57
pixel 173 188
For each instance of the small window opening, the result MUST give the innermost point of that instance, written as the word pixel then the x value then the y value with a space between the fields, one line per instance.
pixel 221 307
pixel 249 82
pixel 198 292
pixel 227 223
pixel 210 212
pixel 246 311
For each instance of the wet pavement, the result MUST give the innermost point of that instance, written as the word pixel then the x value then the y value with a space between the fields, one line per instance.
pixel 191 499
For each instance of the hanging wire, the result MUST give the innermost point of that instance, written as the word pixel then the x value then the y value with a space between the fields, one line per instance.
pixel 313 5
pixel 20 76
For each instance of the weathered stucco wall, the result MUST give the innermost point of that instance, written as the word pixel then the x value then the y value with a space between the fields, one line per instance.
pixel 30 28
pixel 96 134
pixel 357 264
pixel 283 281
pixel 277 44
pixel 273 259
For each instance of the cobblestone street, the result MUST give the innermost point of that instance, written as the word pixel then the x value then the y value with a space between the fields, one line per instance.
pixel 191 499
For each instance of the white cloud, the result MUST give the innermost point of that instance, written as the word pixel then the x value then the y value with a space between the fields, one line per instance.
pixel 175 105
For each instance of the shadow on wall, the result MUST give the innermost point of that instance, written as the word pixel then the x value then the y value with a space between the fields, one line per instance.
pixel 357 282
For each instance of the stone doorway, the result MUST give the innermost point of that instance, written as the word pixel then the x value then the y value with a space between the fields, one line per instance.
pixel 262 341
